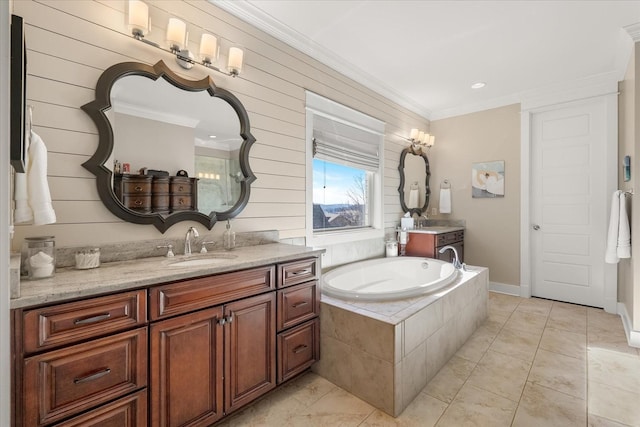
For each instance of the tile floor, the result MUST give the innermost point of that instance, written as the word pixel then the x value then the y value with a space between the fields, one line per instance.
pixel 534 362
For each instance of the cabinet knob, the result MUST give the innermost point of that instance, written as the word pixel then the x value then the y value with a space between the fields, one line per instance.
pixel 536 227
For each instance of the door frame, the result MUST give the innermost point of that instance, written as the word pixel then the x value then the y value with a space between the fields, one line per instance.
pixel 609 92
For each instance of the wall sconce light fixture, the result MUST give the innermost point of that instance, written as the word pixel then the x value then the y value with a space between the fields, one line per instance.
pixel 420 139
pixel 139 24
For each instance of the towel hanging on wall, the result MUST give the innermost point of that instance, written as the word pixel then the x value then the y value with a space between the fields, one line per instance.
pixel 445 197
pixel 623 247
pixel 31 191
pixel 618 235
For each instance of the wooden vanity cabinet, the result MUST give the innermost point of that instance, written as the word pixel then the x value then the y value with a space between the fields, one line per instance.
pixel 429 245
pixel 210 362
pixel 298 311
pixel 78 358
pixel 185 353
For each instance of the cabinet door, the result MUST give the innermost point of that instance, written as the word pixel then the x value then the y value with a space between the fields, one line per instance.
pixel 186 369
pixel 250 347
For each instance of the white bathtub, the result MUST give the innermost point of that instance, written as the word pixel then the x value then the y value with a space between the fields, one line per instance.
pixel 388 278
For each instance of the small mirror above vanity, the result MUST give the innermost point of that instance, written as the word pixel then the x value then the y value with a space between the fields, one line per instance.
pixel 414 181
pixel 170 149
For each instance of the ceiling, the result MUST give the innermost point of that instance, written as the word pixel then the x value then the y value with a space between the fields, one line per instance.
pixel 425 55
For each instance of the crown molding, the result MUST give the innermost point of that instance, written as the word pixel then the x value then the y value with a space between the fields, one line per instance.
pixel 256 17
pixel 634 31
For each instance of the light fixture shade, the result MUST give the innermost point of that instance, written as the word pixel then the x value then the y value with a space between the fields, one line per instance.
pixel 414 134
pixel 208 48
pixel 420 136
pixel 236 56
pixel 432 141
pixel 176 33
pixel 425 138
pixel 138 17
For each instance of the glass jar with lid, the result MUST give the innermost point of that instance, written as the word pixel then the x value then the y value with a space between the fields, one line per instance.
pixel 40 257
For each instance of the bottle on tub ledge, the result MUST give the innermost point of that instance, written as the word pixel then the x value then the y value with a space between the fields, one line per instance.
pixel 229 237
pixel 403 238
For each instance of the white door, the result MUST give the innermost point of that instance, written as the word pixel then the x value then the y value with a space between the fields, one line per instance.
pixel 569 202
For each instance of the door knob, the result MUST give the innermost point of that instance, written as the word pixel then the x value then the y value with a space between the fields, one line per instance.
pixel 536 227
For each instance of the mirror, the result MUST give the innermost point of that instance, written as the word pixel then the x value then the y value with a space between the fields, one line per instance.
pixel 414 181
pixel 170 149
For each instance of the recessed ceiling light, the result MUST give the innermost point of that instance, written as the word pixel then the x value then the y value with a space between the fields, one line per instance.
pixel 212 136
pixel 478 85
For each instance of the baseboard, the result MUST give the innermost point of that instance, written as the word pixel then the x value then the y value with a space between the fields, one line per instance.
pixel 633 337
pixel 504 288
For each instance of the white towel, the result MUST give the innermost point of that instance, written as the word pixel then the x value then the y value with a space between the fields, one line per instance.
pixel 623 249
pixel 413 198
pixel 611 254
pixel 445 200
pixel 38 204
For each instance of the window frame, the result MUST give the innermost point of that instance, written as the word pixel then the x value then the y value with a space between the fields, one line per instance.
pixel 318 105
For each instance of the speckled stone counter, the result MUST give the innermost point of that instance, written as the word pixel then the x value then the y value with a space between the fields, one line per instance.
pixel 69 283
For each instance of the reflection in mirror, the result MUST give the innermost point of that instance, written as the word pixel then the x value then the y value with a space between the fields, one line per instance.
pixel 414 181
pixel 201 133
pixel 170 149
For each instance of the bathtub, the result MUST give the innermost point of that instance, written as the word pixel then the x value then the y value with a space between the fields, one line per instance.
pixel 388 278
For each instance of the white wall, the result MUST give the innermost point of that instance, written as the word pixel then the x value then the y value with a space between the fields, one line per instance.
pixel 5 371
pixel 92 35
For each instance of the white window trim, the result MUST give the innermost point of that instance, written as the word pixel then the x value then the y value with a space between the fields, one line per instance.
pixel 318 105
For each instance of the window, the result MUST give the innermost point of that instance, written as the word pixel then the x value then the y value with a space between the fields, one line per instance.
pixel 344 164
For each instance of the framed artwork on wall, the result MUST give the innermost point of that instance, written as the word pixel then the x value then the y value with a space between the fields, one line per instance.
pixel 487 179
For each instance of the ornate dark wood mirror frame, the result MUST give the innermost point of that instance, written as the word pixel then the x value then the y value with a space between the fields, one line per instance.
pixel 104 176
pixel 403 204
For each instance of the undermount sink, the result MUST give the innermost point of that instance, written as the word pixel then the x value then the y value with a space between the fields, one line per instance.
pixel 200 262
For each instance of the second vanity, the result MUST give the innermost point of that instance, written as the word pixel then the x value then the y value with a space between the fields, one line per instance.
pixel 162 342
pixel 427 242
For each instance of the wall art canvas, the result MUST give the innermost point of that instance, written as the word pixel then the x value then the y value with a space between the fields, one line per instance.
pixel 487 179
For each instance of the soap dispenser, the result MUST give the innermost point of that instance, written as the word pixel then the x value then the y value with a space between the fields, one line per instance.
pixel 229 237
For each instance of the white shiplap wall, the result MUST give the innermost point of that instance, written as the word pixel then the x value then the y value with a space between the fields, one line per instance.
pixel 70 43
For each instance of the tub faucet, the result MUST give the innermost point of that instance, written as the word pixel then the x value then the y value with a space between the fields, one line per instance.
pixel 191 232
pixel 456 261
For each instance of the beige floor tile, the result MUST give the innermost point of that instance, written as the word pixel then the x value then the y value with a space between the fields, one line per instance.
pixel 424 411
pixel 538 306
pixel 526 322
pixel 477 344
pixel 500 374
pixel 335 408
pixel 613 339
pixel 496 320
pixel 541 406
pixel 275 409
pixel 595 421
pixel 560 373
pixel 620 370
pixel 564 342
pixel 613 403
pixel 521 345
pixel 568 319
pixel 475 407
pixel 597 317
pixel 450 379
pixel 578 310
pixel 307 389
pixel 503 302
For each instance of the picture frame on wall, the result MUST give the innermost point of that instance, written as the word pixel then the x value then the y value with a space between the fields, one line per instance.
pixel 487 179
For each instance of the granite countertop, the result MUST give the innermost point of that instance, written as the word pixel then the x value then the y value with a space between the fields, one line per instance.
pixel 69 283
pixel 439 229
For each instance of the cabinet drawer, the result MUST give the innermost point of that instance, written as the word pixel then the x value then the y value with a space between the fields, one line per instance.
pixel 132 186
pixel 130 411
pixel 62 324
pixel 135 201
pixel 194 294
pixel 64 382
pixel 298 348
pixel 297 304
pixel 180 185
pixel 447 238
pixel 181 202
pixel 296 272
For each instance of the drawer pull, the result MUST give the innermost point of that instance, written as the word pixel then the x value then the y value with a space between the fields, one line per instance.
pixel 93 376
pixel 138 188
pixel 297 273
pixel 299 304
pixel 300 348
pixel 93 319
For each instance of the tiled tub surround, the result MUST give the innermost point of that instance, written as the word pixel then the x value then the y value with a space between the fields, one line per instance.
pixel 385 353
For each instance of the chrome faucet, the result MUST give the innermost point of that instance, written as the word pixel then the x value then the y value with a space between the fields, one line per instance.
pixel 456 260
pixel 191 232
